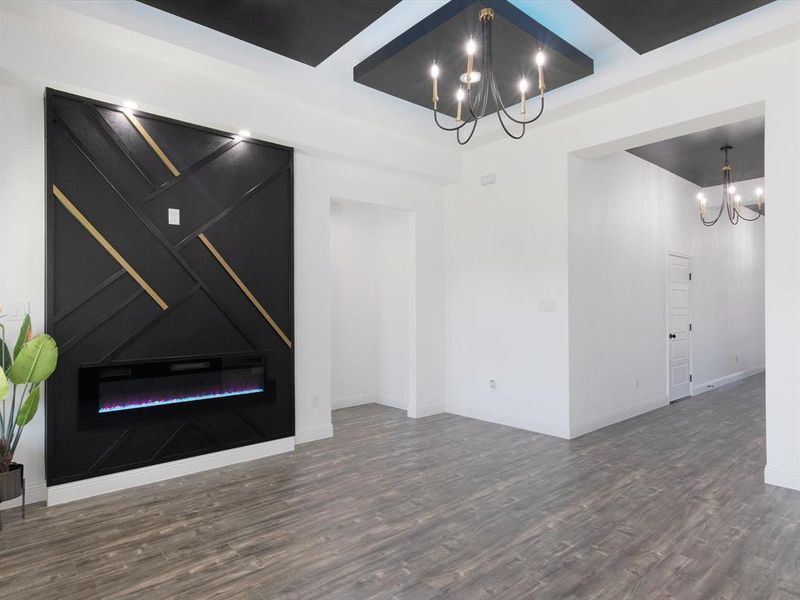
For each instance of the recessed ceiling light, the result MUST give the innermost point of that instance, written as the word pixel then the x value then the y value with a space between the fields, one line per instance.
pixel 130 104
pixel 244 133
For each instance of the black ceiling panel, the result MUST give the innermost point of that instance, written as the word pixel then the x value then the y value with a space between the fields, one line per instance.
pixel 645 25
pixel 305 30
pixel 697 157
pixel 402 67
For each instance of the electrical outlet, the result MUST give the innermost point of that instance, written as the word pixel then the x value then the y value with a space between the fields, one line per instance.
pixel 488 179
pixel 315 401
pixel 492 385
pixel 736 358
pixel 636 383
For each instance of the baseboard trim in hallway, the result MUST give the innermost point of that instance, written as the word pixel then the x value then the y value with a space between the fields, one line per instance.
pixel 782 476
pixel 614 416
pixel 707 386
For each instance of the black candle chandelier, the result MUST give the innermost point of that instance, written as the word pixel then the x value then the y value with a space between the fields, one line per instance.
pixel 472 105
pixel 731 201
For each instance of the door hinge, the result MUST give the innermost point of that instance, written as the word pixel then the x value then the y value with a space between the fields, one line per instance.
pixel 690 276
pixel 690 326
pixel 690 378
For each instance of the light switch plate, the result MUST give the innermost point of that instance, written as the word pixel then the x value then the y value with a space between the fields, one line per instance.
pixel 15 312
pixel 488 179
pixel 174 216
pixel 548 305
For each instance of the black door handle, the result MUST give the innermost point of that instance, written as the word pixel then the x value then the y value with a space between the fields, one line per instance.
pixel 672 336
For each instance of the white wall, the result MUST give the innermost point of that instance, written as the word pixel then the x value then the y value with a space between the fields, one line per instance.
pixel 22 243
pixel 370 305
pixel 335 158
pixel 625 215
pixel 507 247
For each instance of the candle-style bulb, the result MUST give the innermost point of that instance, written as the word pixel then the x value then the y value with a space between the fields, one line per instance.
pixel 470 60
pixel 523 87
pixel 435 76
pixel 759 192
pixel 540 65
pixel 460 98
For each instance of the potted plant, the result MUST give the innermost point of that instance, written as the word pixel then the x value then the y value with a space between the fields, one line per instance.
pixel 21 375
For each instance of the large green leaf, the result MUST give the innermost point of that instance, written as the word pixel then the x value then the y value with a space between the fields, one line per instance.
pixel 29 407
pixel 24 332
pixel 5 356
pixel 3 384
pixel 36 360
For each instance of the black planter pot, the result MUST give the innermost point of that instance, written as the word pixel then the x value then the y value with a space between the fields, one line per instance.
pixel 12 485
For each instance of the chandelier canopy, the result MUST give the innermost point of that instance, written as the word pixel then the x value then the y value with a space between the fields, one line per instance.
pixel 731 201
pixel 478 87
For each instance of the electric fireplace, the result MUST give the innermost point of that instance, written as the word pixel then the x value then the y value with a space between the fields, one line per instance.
pixel 160 387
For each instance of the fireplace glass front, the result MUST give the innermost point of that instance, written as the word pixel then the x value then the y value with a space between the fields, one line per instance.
pixel 154 384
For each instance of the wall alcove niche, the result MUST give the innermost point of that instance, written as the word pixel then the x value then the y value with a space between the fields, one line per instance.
pixel 138 289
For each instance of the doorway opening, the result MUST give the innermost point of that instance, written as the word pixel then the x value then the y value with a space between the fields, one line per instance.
pixel 662 305
pixel 371 305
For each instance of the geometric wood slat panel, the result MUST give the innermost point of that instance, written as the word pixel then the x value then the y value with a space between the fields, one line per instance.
pixel 125 285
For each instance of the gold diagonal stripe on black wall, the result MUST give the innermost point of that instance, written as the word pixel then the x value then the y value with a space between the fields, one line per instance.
pixel 73 210
pixel 151 142
pixel 244 288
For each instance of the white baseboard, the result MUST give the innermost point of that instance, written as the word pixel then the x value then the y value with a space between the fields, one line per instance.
pixel 392 402
pixel 304 435
pixel 35 491
pixel 67 492
pixel 509 421
pixel 425 410
pixel 782 476
pixel 356 400
pixel 359 399
pixel 585 426
pixel 707 386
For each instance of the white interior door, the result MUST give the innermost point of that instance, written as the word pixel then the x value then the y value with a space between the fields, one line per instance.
pixel 679 280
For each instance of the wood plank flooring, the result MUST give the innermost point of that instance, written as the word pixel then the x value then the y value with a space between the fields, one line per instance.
pixel 667 505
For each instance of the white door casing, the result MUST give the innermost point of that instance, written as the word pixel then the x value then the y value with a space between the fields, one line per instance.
pixel 678 326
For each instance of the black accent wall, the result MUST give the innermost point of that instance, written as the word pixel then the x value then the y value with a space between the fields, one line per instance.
pixel 237 193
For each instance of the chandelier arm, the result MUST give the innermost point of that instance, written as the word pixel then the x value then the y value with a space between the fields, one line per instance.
pixel 442 127
pixel 469 105
pixel 469 137
pixel 478 113
pixel 487 66
pixel 741 216
pixel 499 102
pixel 719 214
pixel 511 135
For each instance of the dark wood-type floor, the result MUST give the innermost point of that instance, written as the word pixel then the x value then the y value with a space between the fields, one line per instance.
pixel 668 505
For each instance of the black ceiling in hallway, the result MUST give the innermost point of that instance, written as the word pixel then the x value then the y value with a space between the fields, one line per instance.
pixel 647 25
pixel 696 157
pixel 308 31
pixel 401 68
